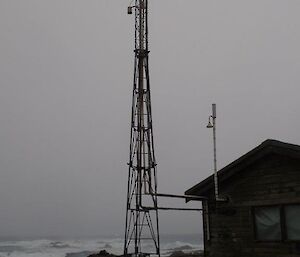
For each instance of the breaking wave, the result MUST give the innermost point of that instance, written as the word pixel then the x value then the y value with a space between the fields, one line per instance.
pixel 84 247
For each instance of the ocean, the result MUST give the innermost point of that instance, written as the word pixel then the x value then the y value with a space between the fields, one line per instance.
pixel 84 246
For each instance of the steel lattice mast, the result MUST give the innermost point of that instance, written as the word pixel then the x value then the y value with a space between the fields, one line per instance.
pixel 142 230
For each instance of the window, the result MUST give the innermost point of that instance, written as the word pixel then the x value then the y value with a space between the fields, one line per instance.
pixel 275 223
pixel 292 222
pixel 267 222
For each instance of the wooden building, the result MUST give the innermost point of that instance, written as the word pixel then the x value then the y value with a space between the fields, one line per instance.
pixel 261 216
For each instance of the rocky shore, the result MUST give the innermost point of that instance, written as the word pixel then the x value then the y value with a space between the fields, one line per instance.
pixel 104 253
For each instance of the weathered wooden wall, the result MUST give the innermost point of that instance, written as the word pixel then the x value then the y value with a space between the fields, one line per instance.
pixel 274 179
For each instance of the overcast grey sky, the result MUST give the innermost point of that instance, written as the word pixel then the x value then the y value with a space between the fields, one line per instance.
pixel 66 71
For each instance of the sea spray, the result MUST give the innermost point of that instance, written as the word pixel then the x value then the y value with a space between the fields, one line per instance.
pixel 83 247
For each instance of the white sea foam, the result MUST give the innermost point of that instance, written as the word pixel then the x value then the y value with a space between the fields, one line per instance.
pixel 81 248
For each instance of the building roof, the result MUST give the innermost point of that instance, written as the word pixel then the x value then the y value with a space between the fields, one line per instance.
pixel 267 147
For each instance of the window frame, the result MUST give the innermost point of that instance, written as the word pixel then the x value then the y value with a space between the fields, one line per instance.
pixel 283 227
pixel 255 224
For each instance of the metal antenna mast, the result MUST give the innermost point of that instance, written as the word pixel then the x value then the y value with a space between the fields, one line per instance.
pixel 142 230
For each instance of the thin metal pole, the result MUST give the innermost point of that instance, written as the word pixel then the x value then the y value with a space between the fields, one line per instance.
pixel 214 116
pixel 188 197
